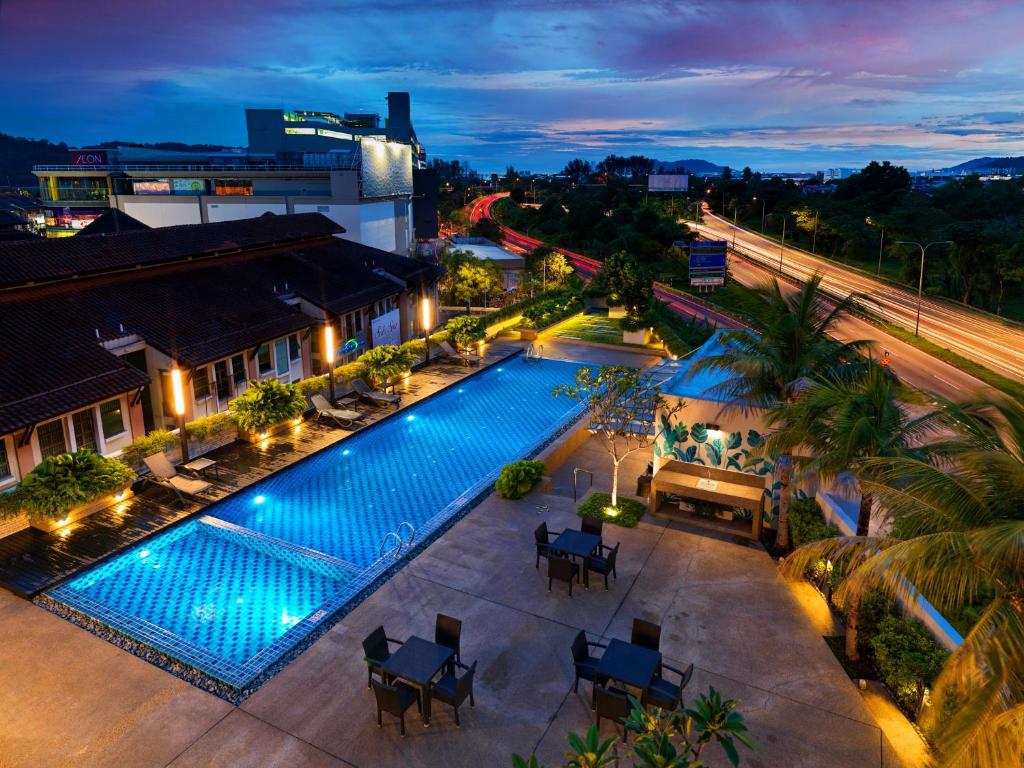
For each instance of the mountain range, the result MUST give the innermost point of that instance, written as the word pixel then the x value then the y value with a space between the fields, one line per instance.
pixel 990 165
pixel 694 166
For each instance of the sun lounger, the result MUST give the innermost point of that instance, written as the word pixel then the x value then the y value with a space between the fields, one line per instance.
pixel 375 396
pixel 343 417
pixel 449 351
pixel 162 472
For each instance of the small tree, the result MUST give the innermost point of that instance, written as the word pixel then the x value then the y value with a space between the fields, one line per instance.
pixel 267 403
pixel 386 362
pixel 476 278
pixel 623 405
pixel 627 282
pixel 464 331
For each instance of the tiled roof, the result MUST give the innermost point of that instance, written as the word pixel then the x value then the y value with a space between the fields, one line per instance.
pixel 112 221
pixel 411 271
pixel 57 258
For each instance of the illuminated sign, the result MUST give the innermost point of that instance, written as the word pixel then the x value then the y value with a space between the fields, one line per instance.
pixel 300 131
pixel 88 157
pixel 189 186
pixel 386 328
pixel 707 262
pixel 333 134
pixel 152 187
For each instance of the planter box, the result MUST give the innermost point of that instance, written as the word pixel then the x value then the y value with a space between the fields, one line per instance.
pixel 48 525
pixel 528 334
pixel 255 437
pixel 616 312
pixel 197 448
pixel 641 337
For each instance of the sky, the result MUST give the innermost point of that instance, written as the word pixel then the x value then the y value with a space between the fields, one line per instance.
pixel 779 85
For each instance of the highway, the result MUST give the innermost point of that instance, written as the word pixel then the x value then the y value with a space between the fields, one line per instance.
pixel 916 368
pixel 981 337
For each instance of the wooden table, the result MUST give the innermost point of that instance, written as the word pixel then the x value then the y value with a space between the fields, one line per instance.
pixel 201 466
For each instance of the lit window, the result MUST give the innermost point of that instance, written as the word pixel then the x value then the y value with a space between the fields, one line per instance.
pixel 263 359
pixel 111 418
pixel 52 441
pixel 201 382
pixel 84 424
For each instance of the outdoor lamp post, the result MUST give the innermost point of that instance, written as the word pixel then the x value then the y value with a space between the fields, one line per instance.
pixel 782 248
pixel 329 358
pixel 425 319
pixel 881 241
pixel 764 201
pixel 178 395
pixel 920 278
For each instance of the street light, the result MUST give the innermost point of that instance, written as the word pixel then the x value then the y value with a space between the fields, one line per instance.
pixel 763 202
pixel 178 395
pixel 425 319
pixel 329 358
pixel 920 279
pixel 881 242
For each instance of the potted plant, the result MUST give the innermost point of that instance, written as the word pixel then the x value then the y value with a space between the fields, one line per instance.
pixel 70 486
pixel 267 408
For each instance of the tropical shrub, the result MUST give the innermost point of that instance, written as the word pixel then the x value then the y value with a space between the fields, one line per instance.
pixel 386 362
pixel 60 483
pixel 548 312
pixel 156 441
pixel 512 310
pixel 312 386
pixel 907 657
pixel 267 403
pixel 465 331
pixel 518 478
pixel 206 427
pixel 807 523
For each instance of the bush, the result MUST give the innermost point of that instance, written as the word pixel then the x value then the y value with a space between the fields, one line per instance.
pixel 907 657
pixel 549 312
pixel 807 524
pixel 386 362
pixel 519 307
pixel 464 331
pixel 60 483
pixel 314 385
pixel 141 447
pixel 206 426
pixel 518 478
pixel 629 515
pixel 266 403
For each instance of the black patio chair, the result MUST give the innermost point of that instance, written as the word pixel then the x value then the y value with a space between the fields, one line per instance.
pixel 664 694
pixel 395 700
pixel 614 705
pixel 584 662
pixel 646 634
pixel 376 652
pixel 542 538
pixel 591 525
pixel 562 569
pixel 453 689
pixel 603 564
pixel 448 632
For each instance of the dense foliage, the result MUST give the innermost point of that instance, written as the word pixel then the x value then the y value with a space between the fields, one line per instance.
pixel 468 279
pixel 518 478
pixel 147 445
pixel 541 314
pixel 60 483
pixel 386 362
pixel 266 404
pixel 907 657
pixel 807 524
pixel 206 427
pixel 464 331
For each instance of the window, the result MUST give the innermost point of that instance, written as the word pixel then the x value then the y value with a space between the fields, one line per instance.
pixel 349 332
pixel 221 381
pixel 359 320
pixel 84 424
pixel 5 463
pixel 281 353
pixel 294 347
pixel 111 419
pixel 201 382
pixel 232 187
pixel 51 438
pixel 238 371
pixel 263 359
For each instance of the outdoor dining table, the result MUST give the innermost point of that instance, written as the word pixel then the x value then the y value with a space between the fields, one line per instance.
pixel 576 543
pixel 631 664
pixel 418 661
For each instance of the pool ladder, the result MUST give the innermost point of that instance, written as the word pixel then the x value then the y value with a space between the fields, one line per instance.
pixel 403 544
pixel 534 353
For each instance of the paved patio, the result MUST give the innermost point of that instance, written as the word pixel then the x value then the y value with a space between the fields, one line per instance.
pixel 722 604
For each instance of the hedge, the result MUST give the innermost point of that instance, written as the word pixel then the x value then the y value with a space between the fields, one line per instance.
pixel 506 313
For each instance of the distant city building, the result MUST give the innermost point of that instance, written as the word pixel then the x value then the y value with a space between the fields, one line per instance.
pixel 511 264
pixel 356 169
pixel 838 174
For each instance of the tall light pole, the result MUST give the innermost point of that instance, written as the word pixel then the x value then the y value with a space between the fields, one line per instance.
pixel 178 396
pixel 782 249
pixel 763 202
pixel 920 278
pixel 329 358
pixel 881 245
pixel 425 319
pixel 814 237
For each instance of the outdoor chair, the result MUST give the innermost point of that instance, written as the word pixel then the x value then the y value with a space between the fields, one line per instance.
pixel 453 689
pixel 542 538
pixel 585 663
pixel 376 652
pixel 367 394
pixel 614 705
pixel 602 564
pixel 450 352
pixel 163 473
pixel 664 694
pixel 343 417
pixel 646 634
pixel 395 700
pixel 447 632
pixel 591 525
pixel 562 569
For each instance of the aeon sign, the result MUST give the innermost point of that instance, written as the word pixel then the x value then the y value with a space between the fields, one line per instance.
pixel 88 157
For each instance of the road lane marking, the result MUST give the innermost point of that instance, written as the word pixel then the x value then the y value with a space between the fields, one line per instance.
pixel 947 382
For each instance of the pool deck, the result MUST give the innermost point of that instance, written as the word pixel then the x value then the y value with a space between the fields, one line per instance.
pixel 32 561
pixel 71 699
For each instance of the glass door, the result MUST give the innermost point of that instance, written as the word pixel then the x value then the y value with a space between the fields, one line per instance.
pixel 281 359
pixel 222 382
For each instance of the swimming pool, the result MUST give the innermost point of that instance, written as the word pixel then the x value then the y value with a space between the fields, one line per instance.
pixel 230 592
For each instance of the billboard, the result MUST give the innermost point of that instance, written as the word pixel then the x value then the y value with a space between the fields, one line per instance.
pixel 152 187
pixel 386 328
pixel 707 262
pixel 668 182
pixel 87 157
pixel 189 186
pixel 386 168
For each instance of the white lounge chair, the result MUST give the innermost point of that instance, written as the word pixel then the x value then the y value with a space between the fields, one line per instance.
pixel 163 473
pixel 375 396
pixel 449 351
pixel 343 417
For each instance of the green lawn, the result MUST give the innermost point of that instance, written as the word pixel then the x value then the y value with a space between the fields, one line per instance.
pixel 592 326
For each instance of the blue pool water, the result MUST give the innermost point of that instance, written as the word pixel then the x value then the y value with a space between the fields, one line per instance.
pixel 230 592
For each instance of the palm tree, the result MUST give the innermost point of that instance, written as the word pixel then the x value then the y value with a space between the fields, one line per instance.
pixel 961 511
pixel 788 342
pixel 851 414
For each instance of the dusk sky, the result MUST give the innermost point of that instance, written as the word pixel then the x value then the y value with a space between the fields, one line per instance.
pixel 784 85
